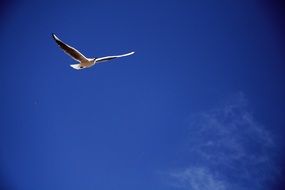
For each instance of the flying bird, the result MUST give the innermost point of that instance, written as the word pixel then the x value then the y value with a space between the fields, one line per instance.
pixel 83 62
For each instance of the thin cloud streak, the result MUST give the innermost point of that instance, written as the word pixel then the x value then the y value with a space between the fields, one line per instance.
pixel 197 178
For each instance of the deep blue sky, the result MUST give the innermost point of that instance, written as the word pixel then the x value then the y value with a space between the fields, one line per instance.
pixel 199 106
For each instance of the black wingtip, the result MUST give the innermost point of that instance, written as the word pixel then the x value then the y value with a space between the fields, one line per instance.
pixel 53 36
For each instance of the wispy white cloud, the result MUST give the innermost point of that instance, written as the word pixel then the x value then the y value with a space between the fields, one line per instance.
pixel 197 178
pixel 227 149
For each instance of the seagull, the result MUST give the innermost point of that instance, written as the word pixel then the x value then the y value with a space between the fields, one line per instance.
pixel 83 62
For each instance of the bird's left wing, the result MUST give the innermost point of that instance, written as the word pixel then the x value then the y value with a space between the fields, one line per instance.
pixel 107 58
pixel 71 51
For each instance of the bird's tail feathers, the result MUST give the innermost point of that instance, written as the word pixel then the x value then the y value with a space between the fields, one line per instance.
pixel 76 66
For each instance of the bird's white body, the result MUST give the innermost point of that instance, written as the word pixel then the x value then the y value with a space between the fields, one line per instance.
pixel 83 62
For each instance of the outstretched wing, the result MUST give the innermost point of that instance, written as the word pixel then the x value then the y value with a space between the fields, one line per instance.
pixel 107 58
pixel 71 51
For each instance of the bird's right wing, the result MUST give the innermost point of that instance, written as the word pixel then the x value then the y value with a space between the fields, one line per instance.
pixel 71 51
pixel 107 58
